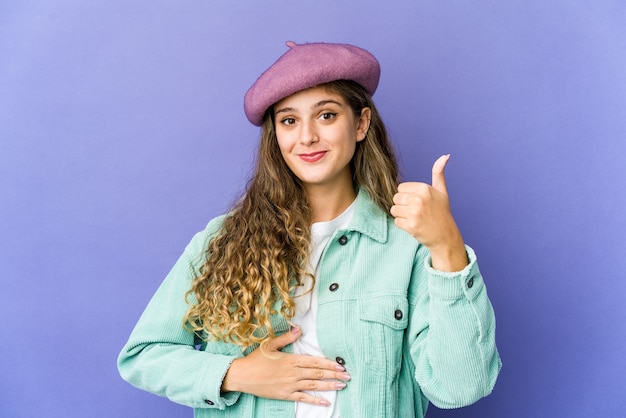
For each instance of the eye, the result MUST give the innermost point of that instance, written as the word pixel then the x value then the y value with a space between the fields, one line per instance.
pixel 288 121
pixel 328 116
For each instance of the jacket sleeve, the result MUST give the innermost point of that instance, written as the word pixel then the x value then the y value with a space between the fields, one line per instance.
pixel 452 334
pixel 160 356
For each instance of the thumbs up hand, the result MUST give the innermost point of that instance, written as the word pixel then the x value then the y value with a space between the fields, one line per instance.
pixel 424 212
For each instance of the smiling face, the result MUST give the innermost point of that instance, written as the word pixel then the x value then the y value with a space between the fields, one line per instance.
pixel 317 132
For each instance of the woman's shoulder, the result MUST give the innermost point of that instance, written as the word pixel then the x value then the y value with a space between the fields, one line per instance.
pixel 199 244
pixel 214 225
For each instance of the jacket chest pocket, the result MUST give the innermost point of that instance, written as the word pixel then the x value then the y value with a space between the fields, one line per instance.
pixel 382 321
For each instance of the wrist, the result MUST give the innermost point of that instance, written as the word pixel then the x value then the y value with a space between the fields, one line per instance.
pixel 449 258
pixel 229 384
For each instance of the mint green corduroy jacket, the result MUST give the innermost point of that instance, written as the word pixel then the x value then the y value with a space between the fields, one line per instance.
pixel 408 334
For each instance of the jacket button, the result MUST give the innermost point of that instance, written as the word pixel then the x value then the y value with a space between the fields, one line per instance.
pixel 333 287
pixel 398 314
pixel 208 402
pixel 340 361
pixel 343 240
pixel 470 283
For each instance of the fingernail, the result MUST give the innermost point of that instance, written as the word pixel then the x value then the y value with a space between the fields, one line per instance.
pixel 345 376
pixel 340 368
pixel 340 385
pixel 324 402
pixel 295 330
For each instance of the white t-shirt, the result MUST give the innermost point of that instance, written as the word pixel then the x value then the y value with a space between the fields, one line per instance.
pixel 306 313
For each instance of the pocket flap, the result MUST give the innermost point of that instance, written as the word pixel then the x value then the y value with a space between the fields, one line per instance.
pixel 390 311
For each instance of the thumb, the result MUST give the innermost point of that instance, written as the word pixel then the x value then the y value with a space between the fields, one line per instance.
pixel 283 340
pixel 439 180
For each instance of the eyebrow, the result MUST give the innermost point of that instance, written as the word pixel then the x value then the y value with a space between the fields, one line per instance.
pixel 316 105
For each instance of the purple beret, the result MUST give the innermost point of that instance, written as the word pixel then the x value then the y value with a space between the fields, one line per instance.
pixel 308 65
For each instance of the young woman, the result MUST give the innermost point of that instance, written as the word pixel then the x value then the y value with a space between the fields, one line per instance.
pixel 329 290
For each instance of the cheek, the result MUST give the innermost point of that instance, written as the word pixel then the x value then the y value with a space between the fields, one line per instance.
pixel 350 141
pixel 283 143
pixel 285 147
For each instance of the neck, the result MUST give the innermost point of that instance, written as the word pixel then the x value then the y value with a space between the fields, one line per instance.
pixel 327 204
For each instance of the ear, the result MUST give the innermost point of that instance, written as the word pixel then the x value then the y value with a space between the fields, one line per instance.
pixel 363 124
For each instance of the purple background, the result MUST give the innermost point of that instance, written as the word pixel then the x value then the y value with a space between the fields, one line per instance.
pixel 122 133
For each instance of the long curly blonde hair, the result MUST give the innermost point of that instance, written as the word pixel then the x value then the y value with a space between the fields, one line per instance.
pixel 260 254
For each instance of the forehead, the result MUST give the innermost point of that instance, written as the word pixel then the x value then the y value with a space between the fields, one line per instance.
pixel 309 97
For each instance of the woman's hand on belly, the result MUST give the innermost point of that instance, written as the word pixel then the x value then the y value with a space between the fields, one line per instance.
pixel 267 372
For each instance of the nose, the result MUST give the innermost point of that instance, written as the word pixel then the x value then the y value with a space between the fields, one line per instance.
pixel 309 134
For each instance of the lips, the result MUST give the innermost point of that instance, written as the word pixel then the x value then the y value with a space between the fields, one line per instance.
pixel 312 157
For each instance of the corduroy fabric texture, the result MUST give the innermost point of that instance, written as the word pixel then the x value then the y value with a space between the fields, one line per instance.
pixel 407 334
pixel 308 65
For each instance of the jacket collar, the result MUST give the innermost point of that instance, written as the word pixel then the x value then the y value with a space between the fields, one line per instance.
pixel 368 218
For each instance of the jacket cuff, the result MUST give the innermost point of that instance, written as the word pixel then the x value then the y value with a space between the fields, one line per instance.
pixel 209 391
pixel 455 285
